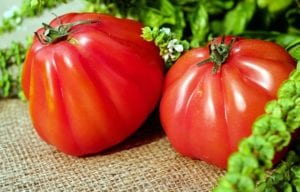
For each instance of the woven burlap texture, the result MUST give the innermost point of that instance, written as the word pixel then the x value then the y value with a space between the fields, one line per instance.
pixel 144 162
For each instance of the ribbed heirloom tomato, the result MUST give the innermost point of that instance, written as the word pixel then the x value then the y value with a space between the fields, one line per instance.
pixel 91 81
pixel 208 107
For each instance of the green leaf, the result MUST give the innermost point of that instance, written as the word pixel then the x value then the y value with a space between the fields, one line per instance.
pixel 199 23
pixel 287 187
pixel 296 169
pixel 285 39
pixel 274 6
pixel 216 7
pixel 147 34
pixel 296 184
pixel 294 49
pixel 237 19
pixel 292 18
pixel 164 14
pixel 34 3
pixel 6 89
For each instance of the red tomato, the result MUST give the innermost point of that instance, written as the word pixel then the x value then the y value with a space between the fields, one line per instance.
pixel 205 114
pixel 93 87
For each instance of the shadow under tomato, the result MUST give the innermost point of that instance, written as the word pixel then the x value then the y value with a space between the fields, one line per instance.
pixel 150 131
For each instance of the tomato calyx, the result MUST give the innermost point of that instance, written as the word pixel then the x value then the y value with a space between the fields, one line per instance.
pixel 218 53
pixel 54 34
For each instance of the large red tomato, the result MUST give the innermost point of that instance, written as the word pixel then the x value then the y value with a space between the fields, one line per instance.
pixel 90 82
pixel 206 114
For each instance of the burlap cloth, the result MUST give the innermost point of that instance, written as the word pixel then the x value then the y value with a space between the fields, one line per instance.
pixel 144 162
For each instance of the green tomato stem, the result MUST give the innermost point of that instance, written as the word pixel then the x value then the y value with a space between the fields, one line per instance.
pixel 55 34
pixel 219 53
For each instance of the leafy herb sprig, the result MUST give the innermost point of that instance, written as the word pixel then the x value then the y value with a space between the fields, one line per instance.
pixel 286 176
pixel 271 133
pixel 170 47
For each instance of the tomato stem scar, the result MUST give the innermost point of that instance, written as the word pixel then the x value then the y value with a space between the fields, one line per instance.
pixel 218 53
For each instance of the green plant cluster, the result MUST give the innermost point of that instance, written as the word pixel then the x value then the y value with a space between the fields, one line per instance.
pixel 271 133
pixel 286 177
pixel 11 62
pixel 198 20
pixel 194 20
pixel 170 47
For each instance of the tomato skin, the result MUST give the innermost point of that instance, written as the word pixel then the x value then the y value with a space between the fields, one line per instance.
pixel 94 88
pixel 205 115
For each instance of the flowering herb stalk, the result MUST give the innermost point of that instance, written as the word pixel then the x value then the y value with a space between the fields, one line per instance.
pixel 170 47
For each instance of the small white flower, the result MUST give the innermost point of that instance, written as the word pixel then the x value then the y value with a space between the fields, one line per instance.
pixel 10 13
pixel 172 57
pixel 166 57
pixel 178 48
pixel 173 45
pixel 166 30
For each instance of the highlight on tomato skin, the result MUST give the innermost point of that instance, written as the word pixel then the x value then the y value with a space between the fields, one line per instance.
pixel 92 85
pixel 206 109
